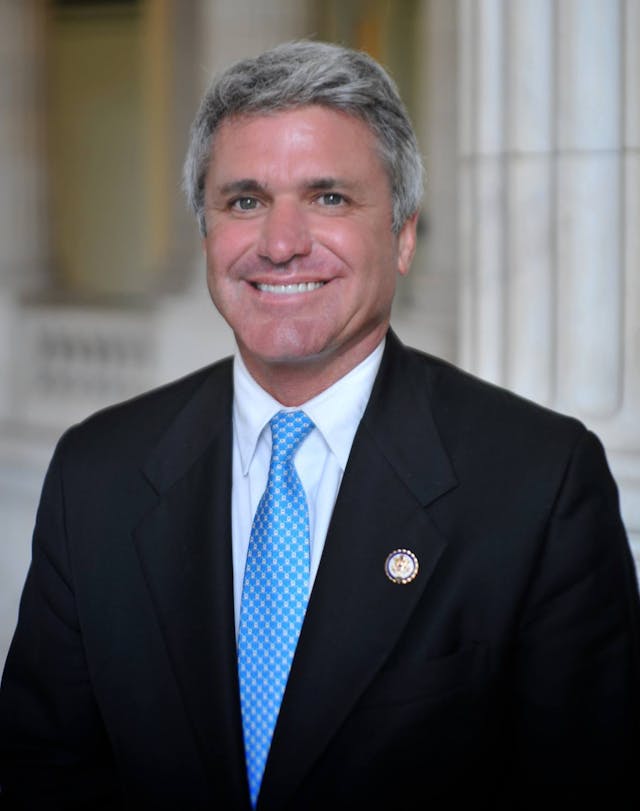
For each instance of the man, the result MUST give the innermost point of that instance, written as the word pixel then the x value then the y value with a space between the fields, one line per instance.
pixel 471 630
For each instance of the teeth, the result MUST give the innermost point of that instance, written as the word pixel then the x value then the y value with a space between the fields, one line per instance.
pixel 286 289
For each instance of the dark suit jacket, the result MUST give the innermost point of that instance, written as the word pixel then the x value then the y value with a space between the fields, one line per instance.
pixel 507 671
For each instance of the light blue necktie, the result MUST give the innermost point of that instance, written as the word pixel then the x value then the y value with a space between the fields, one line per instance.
pixel 274 593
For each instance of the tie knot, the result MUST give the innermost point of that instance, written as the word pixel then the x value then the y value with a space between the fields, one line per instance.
pixel 288 430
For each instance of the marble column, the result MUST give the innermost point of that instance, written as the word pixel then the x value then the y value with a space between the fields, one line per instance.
pixel 23 267
pixel 549 212
pixel 23 237
pixel 425 305
pixel 22 148
pixel 233 29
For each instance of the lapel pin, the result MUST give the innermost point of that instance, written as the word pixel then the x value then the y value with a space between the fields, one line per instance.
pixel 401 566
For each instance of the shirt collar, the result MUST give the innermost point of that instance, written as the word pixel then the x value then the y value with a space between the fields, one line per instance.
pixel 336 412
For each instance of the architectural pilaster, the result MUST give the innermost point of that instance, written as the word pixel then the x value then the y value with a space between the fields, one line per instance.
pixel 22 158
pixel 22 169
pixel 23 265
pixel 233 29
pixel 550 222
pixel 425 312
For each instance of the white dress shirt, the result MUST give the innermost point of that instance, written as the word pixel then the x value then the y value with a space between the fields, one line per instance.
pixel 320 460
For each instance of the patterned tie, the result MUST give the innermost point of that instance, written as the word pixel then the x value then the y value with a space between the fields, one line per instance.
pixel 274 593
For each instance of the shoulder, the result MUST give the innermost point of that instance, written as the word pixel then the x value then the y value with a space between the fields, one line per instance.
pixel 478 420
pixel 133 427
pixel 515 460
pixel 480 399
pixel 461 398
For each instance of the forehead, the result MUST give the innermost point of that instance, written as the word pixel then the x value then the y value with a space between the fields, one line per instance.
pixel 315 136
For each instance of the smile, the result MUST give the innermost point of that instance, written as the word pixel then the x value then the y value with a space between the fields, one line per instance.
pixel 288 289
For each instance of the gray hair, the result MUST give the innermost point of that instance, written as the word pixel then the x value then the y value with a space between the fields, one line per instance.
pixel 299 73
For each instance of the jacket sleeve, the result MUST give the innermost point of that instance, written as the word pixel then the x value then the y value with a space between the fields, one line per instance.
pixel 53 749
pixel 576 670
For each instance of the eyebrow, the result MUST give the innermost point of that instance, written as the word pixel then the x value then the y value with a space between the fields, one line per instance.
pixel 324 183
pixel 247 184
pixel 243 185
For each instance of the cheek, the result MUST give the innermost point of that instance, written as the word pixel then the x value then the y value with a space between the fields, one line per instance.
pixel 351 244
pixel 225 246
pixel 219 281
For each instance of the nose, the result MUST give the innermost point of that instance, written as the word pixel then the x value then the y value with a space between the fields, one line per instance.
pixel 285 233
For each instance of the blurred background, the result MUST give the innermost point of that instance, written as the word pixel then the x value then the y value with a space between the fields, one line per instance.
pixel 528 268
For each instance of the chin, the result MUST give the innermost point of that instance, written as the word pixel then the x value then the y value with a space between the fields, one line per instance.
pixel 292 355
pixel 288 345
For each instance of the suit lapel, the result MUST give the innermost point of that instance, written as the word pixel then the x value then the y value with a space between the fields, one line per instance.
pixel 397 466
pixel 185 551
pixel 184 546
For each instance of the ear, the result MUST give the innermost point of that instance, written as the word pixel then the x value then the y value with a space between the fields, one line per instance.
pixel 407 244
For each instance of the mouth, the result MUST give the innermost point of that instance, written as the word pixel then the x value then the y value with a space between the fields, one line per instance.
pixel 289 289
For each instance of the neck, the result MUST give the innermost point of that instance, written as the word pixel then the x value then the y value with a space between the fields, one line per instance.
pixel 293 382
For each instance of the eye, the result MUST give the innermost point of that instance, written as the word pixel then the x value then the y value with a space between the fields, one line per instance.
pixel 331 198
pixel 244 203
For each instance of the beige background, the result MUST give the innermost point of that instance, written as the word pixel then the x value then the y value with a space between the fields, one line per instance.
pixel 528 114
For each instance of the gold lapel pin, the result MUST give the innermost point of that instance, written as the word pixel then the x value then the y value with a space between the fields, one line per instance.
pixel 401 566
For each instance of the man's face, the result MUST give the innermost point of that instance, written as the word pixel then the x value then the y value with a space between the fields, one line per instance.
pixel 301 258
